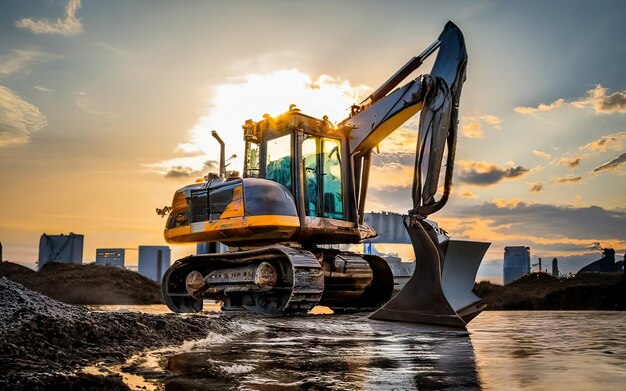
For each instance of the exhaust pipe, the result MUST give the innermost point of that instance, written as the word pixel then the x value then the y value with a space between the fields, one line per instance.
pixel 222 154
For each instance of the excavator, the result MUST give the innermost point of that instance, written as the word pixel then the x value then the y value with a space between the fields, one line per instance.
pixel 303 191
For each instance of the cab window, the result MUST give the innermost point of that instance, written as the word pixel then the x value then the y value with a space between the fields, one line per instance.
pixel 333 195
pixel 323 194
pixel 279 160
pixel 310 149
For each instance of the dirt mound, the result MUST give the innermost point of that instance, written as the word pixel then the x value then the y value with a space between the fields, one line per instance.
pixel 41 338
pixel 20 305
pixel 588 297
pixel 541 291
pixel 86 284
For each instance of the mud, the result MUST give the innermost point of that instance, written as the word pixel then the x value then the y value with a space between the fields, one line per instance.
pixel 43 342
pixel 86 284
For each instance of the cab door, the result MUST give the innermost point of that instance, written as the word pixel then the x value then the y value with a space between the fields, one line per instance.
pixel 323 185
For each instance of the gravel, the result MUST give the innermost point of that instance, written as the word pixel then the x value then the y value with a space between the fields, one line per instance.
pixel 43 342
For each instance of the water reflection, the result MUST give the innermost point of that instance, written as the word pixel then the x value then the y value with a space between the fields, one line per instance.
pixel 537 350
pixel 329 352
pixel 502 350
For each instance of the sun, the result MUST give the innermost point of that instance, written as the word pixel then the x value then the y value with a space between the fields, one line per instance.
pixel 250 97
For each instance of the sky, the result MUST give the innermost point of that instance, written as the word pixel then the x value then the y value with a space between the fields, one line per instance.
pixel 106 109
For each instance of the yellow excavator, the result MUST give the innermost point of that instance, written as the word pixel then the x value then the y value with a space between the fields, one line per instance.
pixel 303 190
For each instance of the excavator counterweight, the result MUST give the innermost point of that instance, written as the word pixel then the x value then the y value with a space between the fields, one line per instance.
pixel 303 189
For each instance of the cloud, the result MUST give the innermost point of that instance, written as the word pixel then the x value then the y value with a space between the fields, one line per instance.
pixel 541 154
pixel 21 61
pixel 182 172
pixel 492 121
pixel 317 97
pixel 42 89
pixel 18 118
pixel 503 203
pixel 484 174
pixel 111 48
pixel 613 165
pixel 594 246
pixel 84 102
pixel 68 27
pixel 392 170
pixel 571 162
pixel 468 194
pixel 394 199
pixel 403 140
pixel 611 142
pixel 548 221
pixel 186 171
pixel 597 99
pixel 184 167
pixel 401 158
pixel 536 187
pixel 473 125
pixel 472 130
pixel 540 108
pixel 567 179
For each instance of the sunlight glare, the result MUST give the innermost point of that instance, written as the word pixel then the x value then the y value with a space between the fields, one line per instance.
pixel 252 96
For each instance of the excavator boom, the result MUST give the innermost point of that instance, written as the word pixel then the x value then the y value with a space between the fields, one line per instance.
pixel 437 95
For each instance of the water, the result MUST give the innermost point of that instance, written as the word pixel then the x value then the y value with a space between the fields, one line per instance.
pixel 501 350
pixel 535 350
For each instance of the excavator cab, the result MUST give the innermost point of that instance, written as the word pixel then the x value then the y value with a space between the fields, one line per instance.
pixel 305 155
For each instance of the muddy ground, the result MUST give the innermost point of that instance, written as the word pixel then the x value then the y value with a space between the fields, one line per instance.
pixel 86 284
pixel 43 341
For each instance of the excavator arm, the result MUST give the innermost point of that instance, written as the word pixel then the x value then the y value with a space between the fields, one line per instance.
pixel 437 95
pixel 439 292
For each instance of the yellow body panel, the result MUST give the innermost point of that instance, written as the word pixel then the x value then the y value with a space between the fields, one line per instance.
pixel 235 207
pixel 265 227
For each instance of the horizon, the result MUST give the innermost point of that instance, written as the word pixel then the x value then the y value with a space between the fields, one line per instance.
pixel 106 110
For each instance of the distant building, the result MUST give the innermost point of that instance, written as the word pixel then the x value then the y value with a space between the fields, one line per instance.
pixel 606 264
pixel 154 261
pixel 110 257
pixel 60 249
pixel 555 268
pixel 516 263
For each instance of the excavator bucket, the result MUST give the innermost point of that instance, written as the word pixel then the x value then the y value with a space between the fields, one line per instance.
pixel 440 290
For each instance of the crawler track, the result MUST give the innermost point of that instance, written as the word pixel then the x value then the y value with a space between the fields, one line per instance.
pixel 299 286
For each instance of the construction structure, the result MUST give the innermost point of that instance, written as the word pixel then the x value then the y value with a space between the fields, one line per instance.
pixel 606 264
pixel 516 263
pixel 110 257
pixel 555 268
pixel 60 249
pixel 154 261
